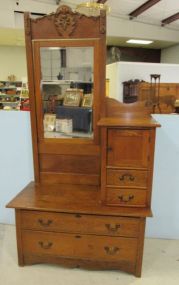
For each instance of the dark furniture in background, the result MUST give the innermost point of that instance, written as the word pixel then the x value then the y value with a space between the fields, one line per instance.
pixel 118 53
pixel 136 90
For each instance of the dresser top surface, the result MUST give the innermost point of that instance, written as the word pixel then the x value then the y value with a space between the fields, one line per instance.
pixel 129 120
pixel 70 199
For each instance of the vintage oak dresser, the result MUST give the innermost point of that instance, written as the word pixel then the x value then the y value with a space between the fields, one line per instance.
pixel 93 158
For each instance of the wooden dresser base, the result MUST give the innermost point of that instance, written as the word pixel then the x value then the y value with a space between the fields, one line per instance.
pixel 106 239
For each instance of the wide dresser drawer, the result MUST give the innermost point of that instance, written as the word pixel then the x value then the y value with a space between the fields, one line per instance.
pixel 79 223
pixel 79 246
pixel 127 178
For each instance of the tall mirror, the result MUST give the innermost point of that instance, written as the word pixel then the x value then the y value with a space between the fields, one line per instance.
pixel 66 87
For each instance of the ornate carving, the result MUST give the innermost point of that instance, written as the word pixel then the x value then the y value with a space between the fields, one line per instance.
pixel 65 21
pixel 103 22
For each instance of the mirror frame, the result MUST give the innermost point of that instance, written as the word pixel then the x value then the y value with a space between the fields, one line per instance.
pixel 37 73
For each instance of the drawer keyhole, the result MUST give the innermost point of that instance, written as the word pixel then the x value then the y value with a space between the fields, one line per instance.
pixel 78 216
pixel 44 245
pixel 77 237
pixel 45 223
pixel 112 228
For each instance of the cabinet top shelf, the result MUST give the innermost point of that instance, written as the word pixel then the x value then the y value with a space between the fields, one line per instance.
pixel 129 121
pixel 83 199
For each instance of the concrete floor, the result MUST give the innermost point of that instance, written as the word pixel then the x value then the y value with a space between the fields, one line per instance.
pixel 160 267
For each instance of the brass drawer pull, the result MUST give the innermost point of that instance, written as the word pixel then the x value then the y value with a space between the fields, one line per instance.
pixel 126 199
pixel 45 245
pixel 112 228
pixel 125 176
pixel 45 224
pixel 111 250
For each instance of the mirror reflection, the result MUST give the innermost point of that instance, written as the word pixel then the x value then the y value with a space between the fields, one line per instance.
pixel 67 91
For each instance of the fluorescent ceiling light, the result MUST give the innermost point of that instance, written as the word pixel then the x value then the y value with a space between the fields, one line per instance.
pixel 141 42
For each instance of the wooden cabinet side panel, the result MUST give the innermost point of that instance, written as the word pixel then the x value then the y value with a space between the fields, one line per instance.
pixel 139 258
pixel 31 83
pixel 19 238
pixel 103 163
pixel 151 165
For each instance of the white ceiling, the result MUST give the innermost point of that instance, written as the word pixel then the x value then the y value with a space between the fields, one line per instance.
pixel 119 9
pixel 154 15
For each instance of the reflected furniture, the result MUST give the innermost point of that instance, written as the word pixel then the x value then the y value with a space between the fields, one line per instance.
pixel 92 191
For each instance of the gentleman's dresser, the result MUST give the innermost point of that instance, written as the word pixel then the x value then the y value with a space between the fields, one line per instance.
pixel 92 191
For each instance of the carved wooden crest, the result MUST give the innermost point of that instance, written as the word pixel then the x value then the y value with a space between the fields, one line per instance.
pixel 65 21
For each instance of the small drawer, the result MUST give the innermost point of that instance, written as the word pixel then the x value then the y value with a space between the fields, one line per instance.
pixel 128 178
pixel 102 248
pixel 126 197
pixel 76 223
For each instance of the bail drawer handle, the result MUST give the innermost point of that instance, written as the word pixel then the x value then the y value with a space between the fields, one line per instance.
pixel 112 228
pixel 126 199
pixel 45 223
pixel 111 250
pixel 126 176
pixel 47 245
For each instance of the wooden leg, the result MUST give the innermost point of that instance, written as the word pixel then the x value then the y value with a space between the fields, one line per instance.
pixel 140 248
pixel 19 238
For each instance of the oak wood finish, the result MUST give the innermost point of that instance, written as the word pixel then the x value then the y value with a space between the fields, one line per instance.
pixel 129 147
pixel 88 204
pixel 66 198
pixel 80 223
pixel 19 238
pixel 126 197
pixel 80 246
pixel 127 178
pixel 65 28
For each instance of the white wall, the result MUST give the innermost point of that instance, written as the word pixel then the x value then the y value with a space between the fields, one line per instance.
pixel 12 61
pixel 16 165
pixel 165 222
pixel 125 28
pixel 112 73
pixel 16 170
pixel 138 70
pixel 118 27
pixel 170 55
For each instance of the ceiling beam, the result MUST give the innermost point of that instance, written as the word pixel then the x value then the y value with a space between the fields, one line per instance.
pixel 101 1
pixel 147 5
pixel 170 19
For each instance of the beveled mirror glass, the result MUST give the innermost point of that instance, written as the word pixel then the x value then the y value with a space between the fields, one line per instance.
pixel 67 91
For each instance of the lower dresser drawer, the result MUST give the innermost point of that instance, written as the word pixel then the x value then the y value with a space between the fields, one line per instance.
pixel 126 197
pixel 79 223
pixel 88 247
